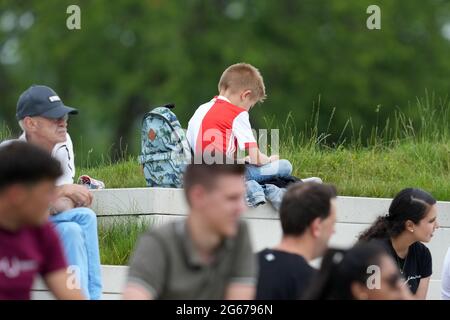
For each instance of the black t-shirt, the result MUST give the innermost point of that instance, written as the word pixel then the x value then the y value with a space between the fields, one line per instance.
pixel 282 275
pixel 416 265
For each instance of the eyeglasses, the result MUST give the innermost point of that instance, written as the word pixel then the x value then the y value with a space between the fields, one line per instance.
pixel 64 118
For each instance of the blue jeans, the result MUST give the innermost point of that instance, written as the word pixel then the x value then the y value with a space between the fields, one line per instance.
pixel 258 194
pixel 77 229
pixel 280 168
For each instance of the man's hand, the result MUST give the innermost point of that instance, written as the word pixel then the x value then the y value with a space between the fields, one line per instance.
pixel 80 195
pixel 136 292
pixel 61 204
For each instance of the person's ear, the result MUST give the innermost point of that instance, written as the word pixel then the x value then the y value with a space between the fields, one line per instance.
pixel 16 194
pixel 29 124
pixel 359 291
pixel 409 226
pixel 316 227
pixel 197 195
pixel 246 94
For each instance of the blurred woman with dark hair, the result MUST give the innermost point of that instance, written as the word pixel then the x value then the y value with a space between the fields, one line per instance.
pixel 364 272
pixel 412 219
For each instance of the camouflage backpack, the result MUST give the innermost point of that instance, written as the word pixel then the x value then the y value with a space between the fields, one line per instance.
pixel 164 148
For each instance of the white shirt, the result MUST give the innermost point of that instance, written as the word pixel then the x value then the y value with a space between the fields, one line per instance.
pixel 63 152
pixel 445 290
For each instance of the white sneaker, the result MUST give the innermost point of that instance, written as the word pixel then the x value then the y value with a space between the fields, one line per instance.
pixel 312 179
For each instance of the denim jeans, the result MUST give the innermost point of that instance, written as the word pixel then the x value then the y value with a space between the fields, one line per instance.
pixel 268 171
pixel 258 194
pixel 77 229
pixel 274 194
pixel 255 193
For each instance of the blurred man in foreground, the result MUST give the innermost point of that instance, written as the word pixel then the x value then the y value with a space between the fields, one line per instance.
pixel 29 244
pixel 206 256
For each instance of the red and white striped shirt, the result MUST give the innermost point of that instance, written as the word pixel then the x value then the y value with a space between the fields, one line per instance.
pixel 221 126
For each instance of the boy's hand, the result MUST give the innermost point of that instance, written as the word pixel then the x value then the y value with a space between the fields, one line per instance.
pixel 257 157
pixel 274 157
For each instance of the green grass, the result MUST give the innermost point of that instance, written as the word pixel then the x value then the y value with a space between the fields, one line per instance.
pixel 372 172
pixel 117 239
pixel 410 149
pixel 5 132
pixel 123 174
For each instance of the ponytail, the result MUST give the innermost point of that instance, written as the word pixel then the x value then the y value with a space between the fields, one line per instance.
pixel 408 205
pixel 378 230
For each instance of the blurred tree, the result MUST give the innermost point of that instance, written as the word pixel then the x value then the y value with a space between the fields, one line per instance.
pixel 131 55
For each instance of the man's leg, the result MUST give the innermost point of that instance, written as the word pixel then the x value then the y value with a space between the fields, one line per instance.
pixel 72 239
pixel 87 220
pixel 279 168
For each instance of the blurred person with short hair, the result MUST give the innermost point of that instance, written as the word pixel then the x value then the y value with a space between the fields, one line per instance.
pixel 206 256
pixel 308 218
pixel 29 244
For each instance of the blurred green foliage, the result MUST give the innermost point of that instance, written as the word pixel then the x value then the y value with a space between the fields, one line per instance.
pixel 131 55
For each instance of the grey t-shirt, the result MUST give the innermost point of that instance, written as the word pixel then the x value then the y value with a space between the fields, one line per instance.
pixel 167 265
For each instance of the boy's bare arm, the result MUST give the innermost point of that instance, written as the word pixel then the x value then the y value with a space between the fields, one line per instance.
pixel 257 158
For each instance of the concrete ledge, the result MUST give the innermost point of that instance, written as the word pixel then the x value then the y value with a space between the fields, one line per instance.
pixel 168 201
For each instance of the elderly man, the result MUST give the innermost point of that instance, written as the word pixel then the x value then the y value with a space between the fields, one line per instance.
pixel 43 119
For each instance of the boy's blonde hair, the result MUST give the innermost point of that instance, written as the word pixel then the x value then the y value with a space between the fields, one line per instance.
pixel 243 76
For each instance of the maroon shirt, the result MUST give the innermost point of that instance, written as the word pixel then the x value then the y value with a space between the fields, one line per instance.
pixel 23 255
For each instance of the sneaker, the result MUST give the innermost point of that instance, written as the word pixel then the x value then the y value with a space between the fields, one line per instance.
pixel 91 183
pixel 312 179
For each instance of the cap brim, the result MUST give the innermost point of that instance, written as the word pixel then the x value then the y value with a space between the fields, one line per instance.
pixel 59 112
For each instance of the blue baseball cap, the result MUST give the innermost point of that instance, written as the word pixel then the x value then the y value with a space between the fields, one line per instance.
pixel 41 101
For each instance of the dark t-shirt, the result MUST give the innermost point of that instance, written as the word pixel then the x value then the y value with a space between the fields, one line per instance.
pixel 23 255
pixel 282 275
pixel 416 265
